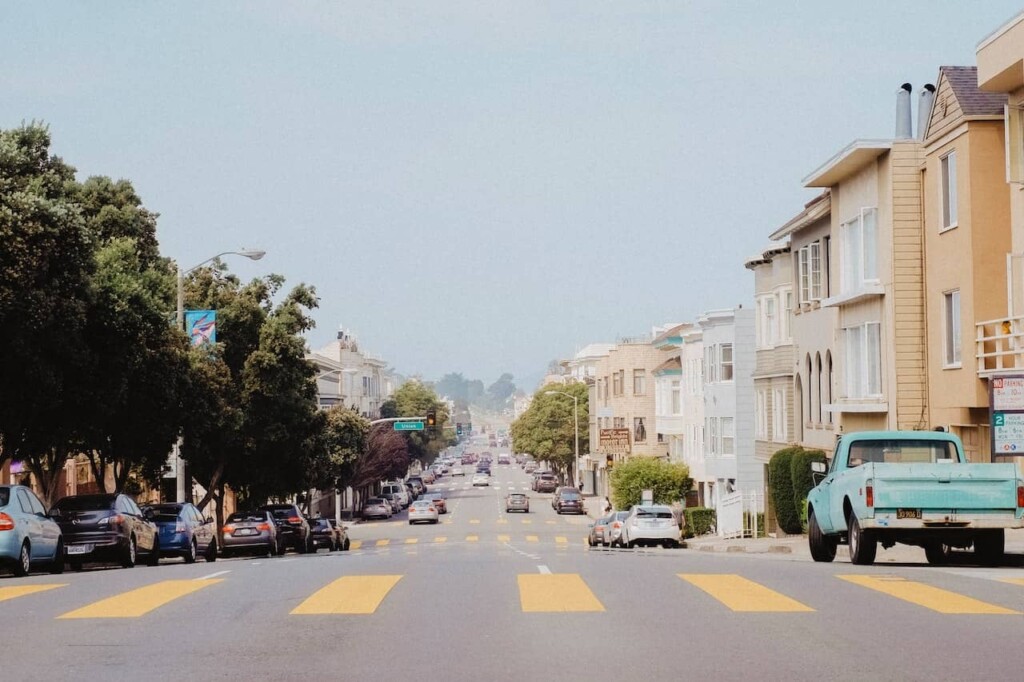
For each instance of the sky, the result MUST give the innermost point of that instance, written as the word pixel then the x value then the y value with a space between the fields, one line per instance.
pixel 476 186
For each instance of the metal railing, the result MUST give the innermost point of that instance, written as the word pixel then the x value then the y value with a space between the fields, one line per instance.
pixel 1000 346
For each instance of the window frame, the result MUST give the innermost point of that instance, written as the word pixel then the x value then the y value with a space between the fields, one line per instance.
pixel 761 414
pixel 722 364
pixel 858 377
pixel 947 191
pixel 952 330
pixel 855 244
pixel 640 374
pixel 779 416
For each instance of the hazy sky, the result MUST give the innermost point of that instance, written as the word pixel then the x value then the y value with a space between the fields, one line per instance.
pixel 476 186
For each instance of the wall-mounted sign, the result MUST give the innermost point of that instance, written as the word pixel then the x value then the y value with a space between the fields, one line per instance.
pixel 614 441
pixel 1008 394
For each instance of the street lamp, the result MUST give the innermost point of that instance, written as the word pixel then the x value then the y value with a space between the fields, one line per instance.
pixel 576 432
pixel 251 254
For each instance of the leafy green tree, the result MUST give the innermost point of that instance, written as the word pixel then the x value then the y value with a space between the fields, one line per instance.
pixel 414 399
pixel 346 435
pixel 545 429
pixel 500 391
pixel 669 482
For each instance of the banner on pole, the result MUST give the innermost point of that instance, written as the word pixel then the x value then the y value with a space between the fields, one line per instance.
pixel 201 326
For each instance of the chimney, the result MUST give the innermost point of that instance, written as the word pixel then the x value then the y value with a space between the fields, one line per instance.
pixel 924 109
pixel 903 122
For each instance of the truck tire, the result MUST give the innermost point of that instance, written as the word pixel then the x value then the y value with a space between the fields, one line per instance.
pixel 937 553
pixel 823 548
pixel 863 545
pixel 989 546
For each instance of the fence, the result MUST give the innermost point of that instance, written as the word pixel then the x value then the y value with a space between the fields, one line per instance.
pixel 740 515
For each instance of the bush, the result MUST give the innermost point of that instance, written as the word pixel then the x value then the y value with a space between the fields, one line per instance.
pixel 781 490
pixel 699 521
pixel 802 478
pixel 669 482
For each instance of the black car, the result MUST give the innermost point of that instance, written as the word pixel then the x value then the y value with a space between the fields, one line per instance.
pixel 567 500
pixel 292 527
pixel 324 535
pixel 108 528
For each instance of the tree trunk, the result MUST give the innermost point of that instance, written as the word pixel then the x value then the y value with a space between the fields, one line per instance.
pixel 47 467
pixel 214 483
pixel 220 505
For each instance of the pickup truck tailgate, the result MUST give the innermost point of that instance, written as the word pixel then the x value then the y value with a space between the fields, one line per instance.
pixel 980 487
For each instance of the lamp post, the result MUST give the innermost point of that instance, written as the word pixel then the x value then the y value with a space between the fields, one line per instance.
pixel 575 433
pixel 251 254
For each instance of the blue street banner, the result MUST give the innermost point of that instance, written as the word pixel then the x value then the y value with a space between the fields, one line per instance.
pixel 201 326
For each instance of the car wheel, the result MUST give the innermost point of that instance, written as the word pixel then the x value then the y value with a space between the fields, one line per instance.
pixel 190 553
pixel 630 544
pixel 823 548
pixel 211 552
pixel 590 541
pixel 130 553
pixel 23 566
pixel 300 547
pixel 225 554
pixel 989 546
pixel 863 545
pixel 271 551
pixel 154 554
pixel 281 547
pixel 937 553
pixel 57 565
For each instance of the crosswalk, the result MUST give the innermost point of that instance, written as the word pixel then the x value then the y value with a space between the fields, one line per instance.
pixel 548 592
pixel 474 537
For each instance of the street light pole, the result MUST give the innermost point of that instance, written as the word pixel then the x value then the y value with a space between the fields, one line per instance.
pixel 179 463
pixel 576 433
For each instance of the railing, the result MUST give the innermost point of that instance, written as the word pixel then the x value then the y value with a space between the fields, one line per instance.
pixel 1000 346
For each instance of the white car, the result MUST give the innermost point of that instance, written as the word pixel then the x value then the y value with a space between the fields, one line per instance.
pixel 458 471
pixel 650 525
pixel 423 510
pixel 481 479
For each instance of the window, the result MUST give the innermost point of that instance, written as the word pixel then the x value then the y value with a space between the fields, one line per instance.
pixel 677 396
pixel 761 415
pixel 712 435
pixel 620 422
pixel 726 360
pixel 779 415
pixel 639 430
pixel 711 363
pixel 948 180
pixel 769 321
pixel 617 383
pixel 786 316
pixel 804 274
pixel 863 361
pixel 639 381
pixel 952 331
pixel 859 246
pixel 809 265
pixel 728 434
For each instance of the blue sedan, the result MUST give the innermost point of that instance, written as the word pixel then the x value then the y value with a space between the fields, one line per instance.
pixel 28 537
pixel 184 531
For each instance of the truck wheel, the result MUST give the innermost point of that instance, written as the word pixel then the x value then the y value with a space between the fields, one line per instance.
pixel 863 545
pixel 823 548
pixel 937 553
pixel 989 546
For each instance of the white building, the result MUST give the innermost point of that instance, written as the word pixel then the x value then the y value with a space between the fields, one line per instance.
pixel 351 377
pixel 583 366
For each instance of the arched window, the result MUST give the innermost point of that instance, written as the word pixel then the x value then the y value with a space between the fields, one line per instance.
pixel 799 400
pixel 828 378
pixel 820 395
pixel 810 389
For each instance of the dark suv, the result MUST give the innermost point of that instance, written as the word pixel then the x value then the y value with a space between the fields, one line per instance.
pixel 105 528
pixel 546 483
pixel 567 500
pixel 292 528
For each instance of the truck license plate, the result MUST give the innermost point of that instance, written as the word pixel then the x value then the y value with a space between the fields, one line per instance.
pixel 908 513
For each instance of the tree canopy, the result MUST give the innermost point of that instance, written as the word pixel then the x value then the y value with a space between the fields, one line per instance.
pixel 545 429
pixel 669 481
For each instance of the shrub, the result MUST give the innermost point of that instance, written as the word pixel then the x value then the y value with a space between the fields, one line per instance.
pixel 699 521
pixel 802 478
pixel 669 482
pixel 781 490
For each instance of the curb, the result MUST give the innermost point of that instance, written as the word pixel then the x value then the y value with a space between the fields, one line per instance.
pixel 739 549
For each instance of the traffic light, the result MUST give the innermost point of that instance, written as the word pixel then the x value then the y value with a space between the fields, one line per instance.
pixel 458 428
pixel 431 419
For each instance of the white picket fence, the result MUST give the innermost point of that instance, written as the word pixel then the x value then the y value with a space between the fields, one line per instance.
pixel 737 515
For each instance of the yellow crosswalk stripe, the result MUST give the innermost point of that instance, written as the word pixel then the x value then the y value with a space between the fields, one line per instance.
pixel 551 523
pixel 504 538
pixel 556 592
pixel 15 591
pixel 355 544
pixel 1014 581
pixel 349 595
pixel 474 521
pixel 383 543
pixel 440 538
pixel 502 522
pixel 561 540
pixel 532 538
pixel 740 594
pixel 139 602
pixel 472 538
pixel 411 541
pixel 526 521
pixel 934 598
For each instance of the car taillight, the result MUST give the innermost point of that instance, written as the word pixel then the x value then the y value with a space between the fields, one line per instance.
pixel 431 509
pixel 179 528
pixel 114 520
pixel 869 495
pixel 263 527
pixel 228 529
pixel 1020 496
pixel 6 522
pixel 617 524
pixel 294 519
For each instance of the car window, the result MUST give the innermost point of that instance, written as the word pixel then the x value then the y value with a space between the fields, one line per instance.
pixel 5 496
pixel 132 507
pixel 24 503
pixel 37 506
pixel 85 503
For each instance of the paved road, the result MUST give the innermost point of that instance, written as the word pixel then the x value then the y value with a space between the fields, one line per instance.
pixel 485 595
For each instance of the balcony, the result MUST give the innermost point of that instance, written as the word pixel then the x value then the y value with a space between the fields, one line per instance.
pixel 1000 346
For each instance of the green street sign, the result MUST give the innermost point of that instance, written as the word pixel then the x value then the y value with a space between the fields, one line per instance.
pixel 408 426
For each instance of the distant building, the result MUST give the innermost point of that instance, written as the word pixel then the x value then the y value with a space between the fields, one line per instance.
pixel 352 377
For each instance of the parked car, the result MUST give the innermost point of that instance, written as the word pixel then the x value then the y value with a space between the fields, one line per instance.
pixel 377 508
pixel 439 502
pixel 418 486
pixel 613 531
pixel 423 510
pixel 530 466
pixel 108 527
pixel 28 537
pixel 343 542
pixel 250 532
pixel 292 528
pixel 546 483
pixel 399 489
pixel 597 535
pixel 567 500
pixel 325 534
pixel 650 525
pixel 394 500
pixel 481 480
pixel 517 502
pixel 184 531
pixel 458 471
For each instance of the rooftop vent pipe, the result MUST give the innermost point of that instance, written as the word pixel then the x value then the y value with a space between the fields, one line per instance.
pixel 904 130
pixel 924 109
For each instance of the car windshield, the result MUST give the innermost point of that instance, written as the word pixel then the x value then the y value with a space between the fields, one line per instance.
pixel 517 496
pixel 374 500
pixel 86 503
pixel 241 517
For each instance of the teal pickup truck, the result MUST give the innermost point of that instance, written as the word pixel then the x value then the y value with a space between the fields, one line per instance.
pixel 912 487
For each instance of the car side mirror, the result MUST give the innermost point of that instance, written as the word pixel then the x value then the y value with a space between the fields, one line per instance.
pixel 818 467
pixel 148 514
pixel 209 519
pixel 55 514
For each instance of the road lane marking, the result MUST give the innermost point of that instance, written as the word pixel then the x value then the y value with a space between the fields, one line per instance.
pixel 1013 581
pixel 383 543
pixel 474 521
pixel 551 523
pixel 532 538
pixel 544 570
pixel 441 538
pixel 411 541
pixel 561 540
pixel 472 538
pixel 355 544
pixel 556 593
pixel 934 598
pixel 348 595
pixel 740 594
pixel 214 575
pixel 502 522
pixel 139 602
pixel 15 591
pixel 504 538
pixel 526 521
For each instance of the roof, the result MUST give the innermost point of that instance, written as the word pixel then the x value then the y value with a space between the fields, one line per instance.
pixel 668 365
pixel 594 350
pixel 847 161
pixel 816 208
pixel 973 101
pixel 767 254
pixel 672 335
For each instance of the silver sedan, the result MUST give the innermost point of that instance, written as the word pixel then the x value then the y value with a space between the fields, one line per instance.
pixel 423 510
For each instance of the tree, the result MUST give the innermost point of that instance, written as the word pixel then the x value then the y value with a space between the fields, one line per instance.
pixel 545 430
pixel 387 457
pixel 500 391
pixel 669 482
pixel 346 437
pixel 413 399
pixel 454 386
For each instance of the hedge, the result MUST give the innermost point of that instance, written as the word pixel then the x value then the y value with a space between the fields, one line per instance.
pixel 781 489
pixel 802 477
pixel 699 521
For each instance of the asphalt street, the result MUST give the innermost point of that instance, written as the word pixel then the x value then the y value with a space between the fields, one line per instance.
pixel 488 595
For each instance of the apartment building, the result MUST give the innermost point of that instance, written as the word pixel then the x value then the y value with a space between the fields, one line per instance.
pixel 668 391
pixel 876 258
pixel 774 302
pixel 967 237
pixel 352 377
